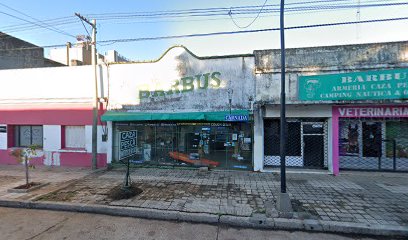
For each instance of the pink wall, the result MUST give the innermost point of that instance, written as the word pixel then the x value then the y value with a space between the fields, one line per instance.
pixel 75 159
pixel 335 141
pixel 50 114
pixel 46 117
pixel 67 159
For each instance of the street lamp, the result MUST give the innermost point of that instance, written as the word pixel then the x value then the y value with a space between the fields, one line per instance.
pixel 230 92
pixel 283 200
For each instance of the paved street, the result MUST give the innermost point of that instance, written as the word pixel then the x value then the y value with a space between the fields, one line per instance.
pixel 21 224
pixel 370 199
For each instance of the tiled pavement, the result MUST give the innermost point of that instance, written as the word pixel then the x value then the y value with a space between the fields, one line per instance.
pixel 360 197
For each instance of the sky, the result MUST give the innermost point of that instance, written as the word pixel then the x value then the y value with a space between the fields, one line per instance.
pixel 15 23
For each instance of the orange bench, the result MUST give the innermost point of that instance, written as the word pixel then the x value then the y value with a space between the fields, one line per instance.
pixel 184 158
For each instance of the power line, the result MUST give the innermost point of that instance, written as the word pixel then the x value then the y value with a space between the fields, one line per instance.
pixel 249 31
pixel 24 27
pixel 220 18
pixel 47 27
pixel 153 13
pixel 205 12
pixel 244 10
pixel 249 24
pixel 113 41
pixel 82 21
pixel 31 48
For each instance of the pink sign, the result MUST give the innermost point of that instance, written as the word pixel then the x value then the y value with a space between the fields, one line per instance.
pixel 374 111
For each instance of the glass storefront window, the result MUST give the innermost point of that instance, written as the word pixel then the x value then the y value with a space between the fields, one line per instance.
pixel 213 144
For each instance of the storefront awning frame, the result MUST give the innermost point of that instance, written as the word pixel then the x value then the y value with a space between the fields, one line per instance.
pixel 180 116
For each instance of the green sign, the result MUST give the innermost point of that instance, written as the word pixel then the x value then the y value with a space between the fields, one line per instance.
pixel 186 84
pixel 383 84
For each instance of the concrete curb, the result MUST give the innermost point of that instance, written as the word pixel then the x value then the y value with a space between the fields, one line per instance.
pixel 256 221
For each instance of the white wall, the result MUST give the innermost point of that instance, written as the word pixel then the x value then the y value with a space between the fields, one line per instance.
pixel 52 137
pixel 102 146
pixel 330 146
pixel 236 73
pixel 300 111
pixel 47 85
pixel 258 145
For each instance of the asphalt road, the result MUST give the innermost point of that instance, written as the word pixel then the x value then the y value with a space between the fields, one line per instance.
pixel 40 224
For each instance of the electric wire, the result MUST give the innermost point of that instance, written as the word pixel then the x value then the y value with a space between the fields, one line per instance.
pixel 35 23
pixel 109 42
pixel 225 11
pixel 249 24
pixel 85 28
pixel 297 9
pixel 248 10
pixel 249 31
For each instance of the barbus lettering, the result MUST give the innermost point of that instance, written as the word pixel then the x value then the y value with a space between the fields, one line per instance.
pixel 186 84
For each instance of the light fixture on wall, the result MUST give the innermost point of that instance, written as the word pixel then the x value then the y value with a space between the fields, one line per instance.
pixel 230 92
pixel 103 100
pixel 251 104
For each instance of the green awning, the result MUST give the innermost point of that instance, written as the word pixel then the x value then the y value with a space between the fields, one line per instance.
pixel 238 116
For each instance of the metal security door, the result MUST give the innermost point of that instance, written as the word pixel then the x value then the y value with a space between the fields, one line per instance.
pixel 313 144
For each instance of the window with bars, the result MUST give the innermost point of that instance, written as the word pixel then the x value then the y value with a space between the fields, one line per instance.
pixel 27 135
pixel 272 131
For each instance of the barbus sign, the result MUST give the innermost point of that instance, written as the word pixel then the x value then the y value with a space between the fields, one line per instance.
pixel 383 84
pixel 127 144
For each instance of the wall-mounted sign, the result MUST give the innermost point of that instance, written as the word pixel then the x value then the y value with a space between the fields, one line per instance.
pixel 375 111
pixel 236 118
pixel 383 84
pixel 127 144
pixel 3 129
pixel 186 84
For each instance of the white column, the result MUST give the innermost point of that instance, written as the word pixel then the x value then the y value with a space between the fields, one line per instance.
pixel 329 146
pixel 52 137
pixel 109 144
pixel 258 145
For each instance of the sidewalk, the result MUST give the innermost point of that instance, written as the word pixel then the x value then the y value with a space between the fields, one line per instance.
pixel 354 202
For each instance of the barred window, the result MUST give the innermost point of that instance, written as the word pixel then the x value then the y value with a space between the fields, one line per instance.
pixel 293 138
pixel 26 135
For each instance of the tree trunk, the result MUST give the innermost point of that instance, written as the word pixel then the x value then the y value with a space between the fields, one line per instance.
pixel 26 169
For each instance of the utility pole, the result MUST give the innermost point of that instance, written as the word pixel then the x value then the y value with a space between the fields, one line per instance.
pixel 95 97
pixel 283 200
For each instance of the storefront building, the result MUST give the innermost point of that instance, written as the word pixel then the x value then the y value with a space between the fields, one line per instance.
pixel 371 137
pixel 307 137
pixel 182 110
pixel 365 137
pixel 51 108
pixel 346 107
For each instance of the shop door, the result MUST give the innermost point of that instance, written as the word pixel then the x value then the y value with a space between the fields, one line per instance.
pixel 372 139
pixel 313 144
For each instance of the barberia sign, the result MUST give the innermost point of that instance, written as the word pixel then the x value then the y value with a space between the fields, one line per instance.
pixel 186 84
pixel 381 111
pixel 384 84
